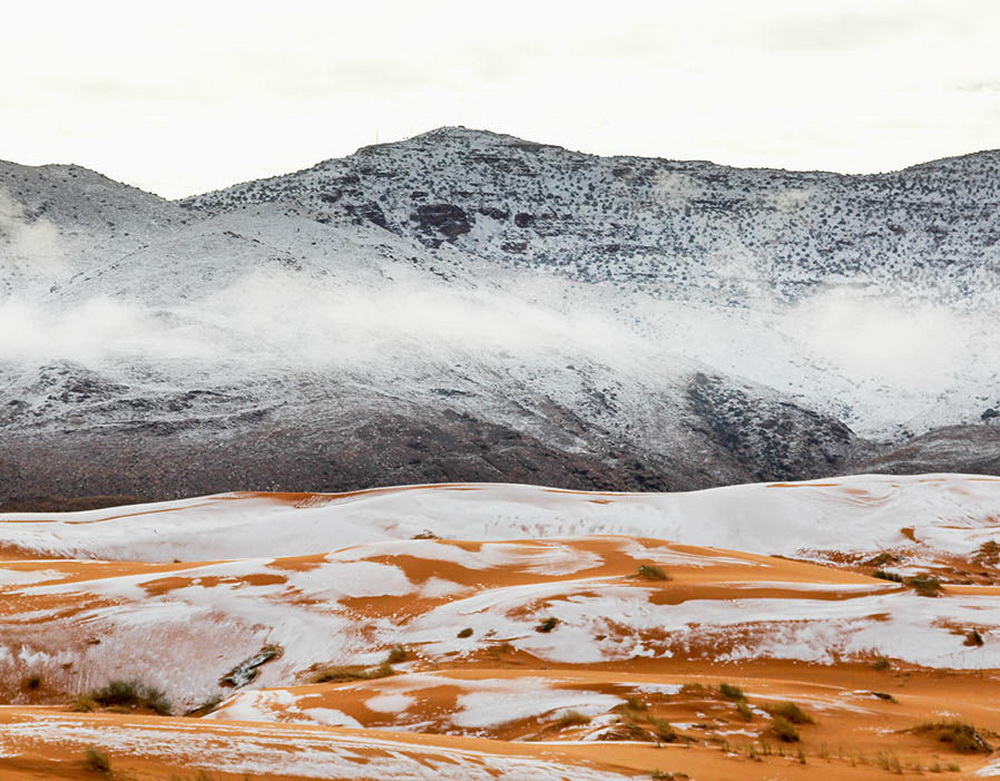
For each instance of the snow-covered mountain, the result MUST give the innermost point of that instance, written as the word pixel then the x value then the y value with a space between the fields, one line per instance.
pixel 465 305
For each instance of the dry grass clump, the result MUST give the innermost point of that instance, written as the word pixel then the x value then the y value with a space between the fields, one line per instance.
pixel 731 692
pixel 342 673
pixel 962 737
pixel 925 585
pixel 572 718
pixel 123 697
pixel 547 625
pixel 637 723
pixel 789 711
pixel 97 762
pixel 397 654
pixel 783 730
pixel 651 572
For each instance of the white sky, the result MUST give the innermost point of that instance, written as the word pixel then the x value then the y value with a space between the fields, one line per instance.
pixel 182 97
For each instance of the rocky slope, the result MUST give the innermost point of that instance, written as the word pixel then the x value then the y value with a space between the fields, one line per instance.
pixel 465 305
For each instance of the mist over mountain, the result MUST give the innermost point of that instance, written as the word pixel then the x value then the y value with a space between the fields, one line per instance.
pixel 470 306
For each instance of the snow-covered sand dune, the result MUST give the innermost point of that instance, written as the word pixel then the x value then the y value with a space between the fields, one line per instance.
pixel 946 514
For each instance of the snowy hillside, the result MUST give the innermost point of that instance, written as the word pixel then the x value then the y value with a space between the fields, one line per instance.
pixel 469 306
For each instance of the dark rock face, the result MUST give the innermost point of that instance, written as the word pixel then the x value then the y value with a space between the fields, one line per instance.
pixel 441 221
pixel 775 439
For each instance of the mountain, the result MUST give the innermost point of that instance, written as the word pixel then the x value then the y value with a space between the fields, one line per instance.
pixel 465 305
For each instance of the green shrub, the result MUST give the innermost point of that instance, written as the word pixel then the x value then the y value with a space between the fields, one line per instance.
pixel 886 575
pixel 881 664
pixel 744 710
pixel 731 692
pixel 397 654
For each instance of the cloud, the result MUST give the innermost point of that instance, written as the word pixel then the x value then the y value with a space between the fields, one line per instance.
pixel 31 245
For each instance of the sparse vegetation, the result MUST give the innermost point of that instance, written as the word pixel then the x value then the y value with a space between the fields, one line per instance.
pixel 83 703
pixel 97 761
pixel 651 572
pixel 783 730
pixel 33 682
pixel 790 711
pixel 925 585
pixel 731 692
pixel 882 559
pixel 572 718
pixel 742 708
pixel 547 625
pixel 973 639
pixel 467 632
pixel 125 696
pixel 339 674
pixel 882 663
pixel 963 738
pixel 397 654
pixel 883 574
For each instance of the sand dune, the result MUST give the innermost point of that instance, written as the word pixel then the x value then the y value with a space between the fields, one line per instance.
pixel 468 631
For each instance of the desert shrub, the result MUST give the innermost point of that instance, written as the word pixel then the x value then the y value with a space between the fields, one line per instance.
pixel 634 703
pixel 97 761
pixel 731 692
pixel 131 694
pixel 663 730
pixel 881 664
pixel 744 710
pixel 789 711
pixel 895 577
pixel 339 674
pixel 547 625
pixel 696 690
pixel 83 703
pixel 973 638
pixel 572 718
pixel 651 572
pixel 963 737
pixel 925 585
pixel 397 654
pixel 33 682
pixel 783 730
pixel 881 559
pixel 467 632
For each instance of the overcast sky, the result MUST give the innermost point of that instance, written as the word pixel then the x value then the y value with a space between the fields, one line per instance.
pixel 183 97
